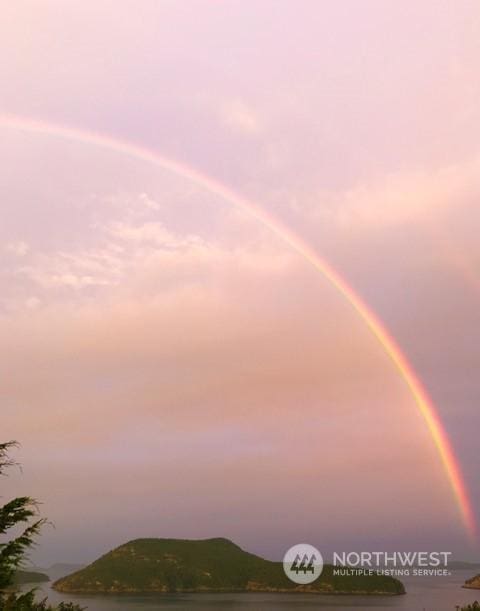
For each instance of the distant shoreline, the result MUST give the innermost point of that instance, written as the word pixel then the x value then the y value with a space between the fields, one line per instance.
pixel 227 591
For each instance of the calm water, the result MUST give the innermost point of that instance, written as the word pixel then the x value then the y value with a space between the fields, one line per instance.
pixel 423 594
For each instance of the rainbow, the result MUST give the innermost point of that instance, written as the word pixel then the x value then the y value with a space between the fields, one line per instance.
pixel 423 402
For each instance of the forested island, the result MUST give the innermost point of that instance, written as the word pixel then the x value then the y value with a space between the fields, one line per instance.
pixel 211 565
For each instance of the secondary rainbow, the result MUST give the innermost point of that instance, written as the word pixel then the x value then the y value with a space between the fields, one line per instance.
pixel 424 403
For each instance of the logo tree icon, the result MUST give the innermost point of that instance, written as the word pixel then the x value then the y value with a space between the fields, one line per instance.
pixel 303 566
pixel 303 563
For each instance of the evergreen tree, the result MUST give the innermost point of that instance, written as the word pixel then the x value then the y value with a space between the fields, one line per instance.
pixel 23 512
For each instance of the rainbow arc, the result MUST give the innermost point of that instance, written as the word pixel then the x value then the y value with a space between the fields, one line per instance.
pixel 423 402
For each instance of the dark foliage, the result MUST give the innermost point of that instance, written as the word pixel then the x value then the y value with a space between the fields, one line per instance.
pixel 18 512
pixel 211 565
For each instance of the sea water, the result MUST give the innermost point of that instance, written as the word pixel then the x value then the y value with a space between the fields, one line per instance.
pixel 423 594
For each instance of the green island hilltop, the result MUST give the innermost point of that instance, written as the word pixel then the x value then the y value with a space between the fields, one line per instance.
pixel 210 565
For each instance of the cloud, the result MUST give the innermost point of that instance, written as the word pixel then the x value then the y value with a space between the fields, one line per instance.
pixel 396 199
pixel 61 270
pixel 149 203
pixel 132 254
pixel 32 303
pixel 151 234
pixel 19 249
pixel 240 117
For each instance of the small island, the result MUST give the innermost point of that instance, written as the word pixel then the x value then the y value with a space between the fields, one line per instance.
pixel 473 583
pixel 211 565
pixel 30 576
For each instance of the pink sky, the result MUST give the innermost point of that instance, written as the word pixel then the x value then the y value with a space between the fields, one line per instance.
pixel 172 368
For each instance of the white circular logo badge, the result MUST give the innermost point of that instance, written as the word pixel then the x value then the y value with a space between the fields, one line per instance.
pixel 303 563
